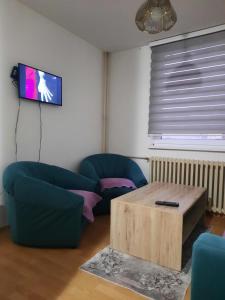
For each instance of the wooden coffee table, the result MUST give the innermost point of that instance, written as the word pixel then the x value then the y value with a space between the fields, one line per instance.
pixel 156 233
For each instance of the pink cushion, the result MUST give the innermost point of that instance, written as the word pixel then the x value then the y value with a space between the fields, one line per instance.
pixel 90 201
pixel 108 183
pixel 223 235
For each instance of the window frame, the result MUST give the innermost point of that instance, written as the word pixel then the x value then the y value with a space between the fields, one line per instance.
pixel 204 143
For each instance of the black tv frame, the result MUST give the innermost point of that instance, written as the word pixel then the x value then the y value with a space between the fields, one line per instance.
pixel 32 100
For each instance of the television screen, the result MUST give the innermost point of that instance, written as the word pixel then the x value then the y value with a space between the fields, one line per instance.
pixel 37 85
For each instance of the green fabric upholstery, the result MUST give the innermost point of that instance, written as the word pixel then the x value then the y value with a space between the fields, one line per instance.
pixel 208 268
pixel 108 165
pixel 41 212
pixel 103 206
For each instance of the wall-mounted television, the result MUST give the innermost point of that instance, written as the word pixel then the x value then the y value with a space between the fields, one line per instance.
pixel 37 85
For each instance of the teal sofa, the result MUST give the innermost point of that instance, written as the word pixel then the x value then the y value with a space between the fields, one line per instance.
pixel 108 165
pixel 208 268
pixel 41 212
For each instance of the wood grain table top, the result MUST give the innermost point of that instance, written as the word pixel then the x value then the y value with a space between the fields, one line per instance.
pixel 185 195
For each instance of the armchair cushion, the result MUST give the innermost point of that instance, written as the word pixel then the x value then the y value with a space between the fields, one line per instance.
pixel 90 201
pixel 103 207
pixel 108 183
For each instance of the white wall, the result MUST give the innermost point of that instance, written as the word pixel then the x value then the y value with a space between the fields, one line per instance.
pixel 129 76
pixel 129 106
pixel 70 132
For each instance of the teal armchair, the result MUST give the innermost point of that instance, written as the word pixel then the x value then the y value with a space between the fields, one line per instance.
pixel 208 268
pixel 107 165
pixel 41 212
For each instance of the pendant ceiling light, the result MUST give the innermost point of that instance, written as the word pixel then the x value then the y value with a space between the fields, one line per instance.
pixel 155 16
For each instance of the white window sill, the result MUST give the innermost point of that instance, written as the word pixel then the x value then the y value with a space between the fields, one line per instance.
pixel 188 147
pixel 207 148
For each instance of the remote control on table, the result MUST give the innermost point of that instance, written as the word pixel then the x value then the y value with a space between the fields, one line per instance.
pixel 167 203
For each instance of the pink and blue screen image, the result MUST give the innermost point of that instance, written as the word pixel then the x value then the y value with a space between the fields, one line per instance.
pixel 37 85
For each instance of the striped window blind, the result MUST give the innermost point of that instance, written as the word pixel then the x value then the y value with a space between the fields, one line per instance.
pixel 187 93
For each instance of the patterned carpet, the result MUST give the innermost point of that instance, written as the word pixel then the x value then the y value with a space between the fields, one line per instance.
pixel 143 277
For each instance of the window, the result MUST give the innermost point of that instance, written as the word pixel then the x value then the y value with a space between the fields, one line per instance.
pixel 187 99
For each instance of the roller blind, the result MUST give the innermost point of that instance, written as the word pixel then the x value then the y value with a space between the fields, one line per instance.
pixel 187 94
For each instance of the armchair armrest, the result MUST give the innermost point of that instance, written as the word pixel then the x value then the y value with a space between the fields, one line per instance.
pixel 69 180
pixel 87 169
pixel 208 268
pixel 134 173
pixel 35 192
pixel 47 215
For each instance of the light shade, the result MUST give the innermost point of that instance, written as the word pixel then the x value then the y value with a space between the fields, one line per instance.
pixel 155 16
pixel 188 86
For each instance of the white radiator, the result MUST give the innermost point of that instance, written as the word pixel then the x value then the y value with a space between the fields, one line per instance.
pixel 208 174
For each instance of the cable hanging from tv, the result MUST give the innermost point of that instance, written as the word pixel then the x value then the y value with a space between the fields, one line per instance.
pixel 37 86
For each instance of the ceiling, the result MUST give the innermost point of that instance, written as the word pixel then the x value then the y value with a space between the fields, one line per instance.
pixel 110 25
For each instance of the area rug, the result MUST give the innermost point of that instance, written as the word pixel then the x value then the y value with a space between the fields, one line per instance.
pixel 143 277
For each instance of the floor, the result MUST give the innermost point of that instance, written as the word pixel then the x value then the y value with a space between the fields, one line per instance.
pixel 38 274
